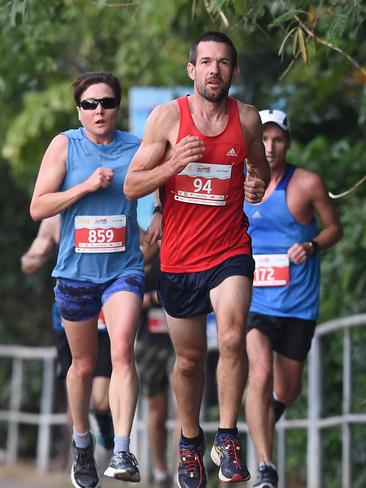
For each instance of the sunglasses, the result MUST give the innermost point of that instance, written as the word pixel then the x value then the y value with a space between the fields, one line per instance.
pixel 92 103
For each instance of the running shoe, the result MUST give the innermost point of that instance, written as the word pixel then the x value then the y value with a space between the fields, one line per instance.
pixel 226 453
pixel 123 466
pixel 84 473
pixel 267 477
pixel 191 469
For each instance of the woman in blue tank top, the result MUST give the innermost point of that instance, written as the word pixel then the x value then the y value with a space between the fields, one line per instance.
pixel 99 265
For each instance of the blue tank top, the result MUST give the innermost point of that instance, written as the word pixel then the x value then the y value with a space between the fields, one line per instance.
pixel 274 230
pixel 83 158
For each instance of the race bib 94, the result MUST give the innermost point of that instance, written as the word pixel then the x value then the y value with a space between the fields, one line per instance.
pixel 203 184
pixel 271 270
pixel 98 234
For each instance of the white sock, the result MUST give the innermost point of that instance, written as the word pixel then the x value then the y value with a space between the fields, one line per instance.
pixel 159 475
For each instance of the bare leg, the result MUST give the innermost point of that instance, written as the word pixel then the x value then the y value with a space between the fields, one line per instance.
pixel 100 392
pixel 121 313
pixel 230 300
pixel 259 411
pixel 189 339
pixel 83 341
pixel 287 378
pixel 158 411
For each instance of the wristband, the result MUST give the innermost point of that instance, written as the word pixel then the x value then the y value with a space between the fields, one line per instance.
pixel 315 247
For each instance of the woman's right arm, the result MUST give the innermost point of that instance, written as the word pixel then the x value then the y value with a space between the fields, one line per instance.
pixel 47 200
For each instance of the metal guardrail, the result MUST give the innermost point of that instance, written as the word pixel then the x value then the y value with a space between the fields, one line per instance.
pixel 314 424
pixel 15 417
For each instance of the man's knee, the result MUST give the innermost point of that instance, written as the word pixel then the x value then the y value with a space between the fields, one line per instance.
pixel 189 365
pixel 232 343
pixel 101 404
pixel 288 393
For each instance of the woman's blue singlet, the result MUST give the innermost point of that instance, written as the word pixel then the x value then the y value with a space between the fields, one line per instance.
pixel 83 158
pixel 274 230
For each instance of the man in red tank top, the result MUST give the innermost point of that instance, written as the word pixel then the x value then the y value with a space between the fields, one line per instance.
pixel 194 150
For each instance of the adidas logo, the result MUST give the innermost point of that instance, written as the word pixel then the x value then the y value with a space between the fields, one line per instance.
pixel 257 215
pixel 231 152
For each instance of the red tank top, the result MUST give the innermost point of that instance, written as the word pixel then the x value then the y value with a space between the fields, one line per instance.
pixel 204 223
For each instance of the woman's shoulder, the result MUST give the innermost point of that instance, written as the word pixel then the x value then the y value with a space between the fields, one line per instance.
pixel 128 138
pixel 73 133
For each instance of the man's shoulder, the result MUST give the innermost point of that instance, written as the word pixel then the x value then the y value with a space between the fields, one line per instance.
pixel 247 109
pixel 305 174
pixel 249 115
pixel 169 109
pixel 306 179
pixel 163 118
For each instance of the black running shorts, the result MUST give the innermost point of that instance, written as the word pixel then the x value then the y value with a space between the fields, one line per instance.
pixel 187 294
pixel 291 337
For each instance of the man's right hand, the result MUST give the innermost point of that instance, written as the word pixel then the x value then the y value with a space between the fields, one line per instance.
pixel 188 150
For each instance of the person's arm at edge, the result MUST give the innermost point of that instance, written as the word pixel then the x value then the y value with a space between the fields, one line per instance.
pixel 332 229
pixel 43 245
pixel 149 250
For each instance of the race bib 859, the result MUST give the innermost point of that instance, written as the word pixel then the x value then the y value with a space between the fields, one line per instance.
pixel 98 234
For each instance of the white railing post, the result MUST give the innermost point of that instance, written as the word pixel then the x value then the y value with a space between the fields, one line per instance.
pixel 314 448
pixel 15 404
pixel 346 410
pixel 281 452
pixel 44 433
pixel 251 460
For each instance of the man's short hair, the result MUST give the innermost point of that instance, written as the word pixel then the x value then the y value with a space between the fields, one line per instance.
pixel 216 37
pixel 91 78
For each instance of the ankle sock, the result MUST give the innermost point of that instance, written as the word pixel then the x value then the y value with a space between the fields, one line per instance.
pixel 121 443
pixel 269 463
pixel 192 441
pixel 224 431
pixel 81 440
pixel 159 475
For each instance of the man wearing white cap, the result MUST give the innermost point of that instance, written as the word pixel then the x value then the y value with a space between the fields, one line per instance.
pixel 286 246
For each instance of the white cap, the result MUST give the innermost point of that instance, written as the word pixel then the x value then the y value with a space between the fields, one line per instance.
pixel 276 117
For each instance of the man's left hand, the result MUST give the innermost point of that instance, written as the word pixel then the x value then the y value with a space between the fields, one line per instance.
pixel 254 188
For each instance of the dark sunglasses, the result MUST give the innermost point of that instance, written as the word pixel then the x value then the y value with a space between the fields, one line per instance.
pixel 92 103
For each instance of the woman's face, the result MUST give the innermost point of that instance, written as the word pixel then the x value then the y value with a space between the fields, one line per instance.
pixel 100 122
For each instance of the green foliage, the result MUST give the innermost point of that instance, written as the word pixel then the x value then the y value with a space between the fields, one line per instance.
pixel 42 112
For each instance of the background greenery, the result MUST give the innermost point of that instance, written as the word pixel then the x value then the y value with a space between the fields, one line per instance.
pixel 306 57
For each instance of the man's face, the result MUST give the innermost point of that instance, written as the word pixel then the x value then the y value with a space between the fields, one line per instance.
pixel 276 143
pixel 213 72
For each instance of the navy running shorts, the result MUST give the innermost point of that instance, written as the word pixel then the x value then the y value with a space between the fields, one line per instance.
pixel 291 337
pixel 188 294
pixel 82 300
